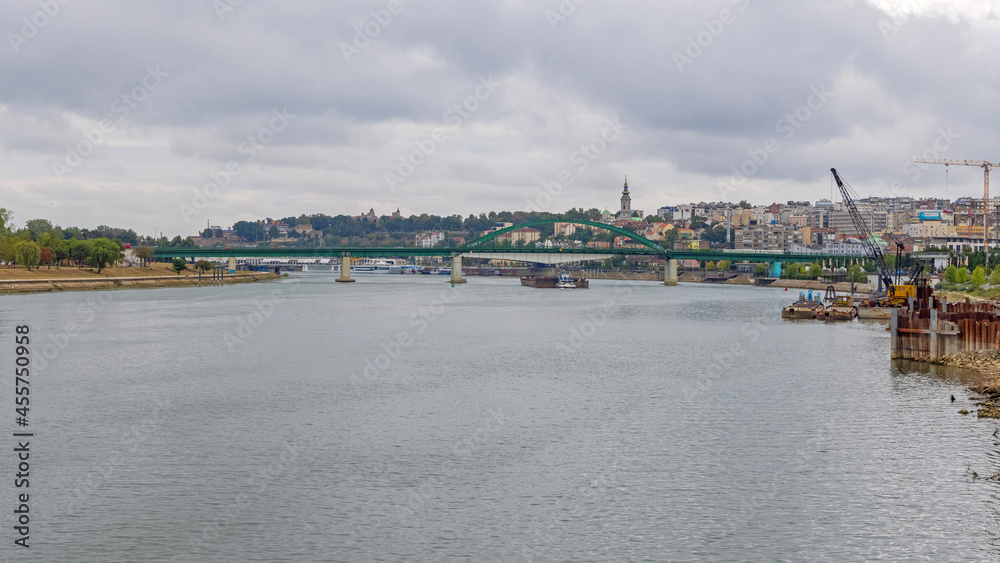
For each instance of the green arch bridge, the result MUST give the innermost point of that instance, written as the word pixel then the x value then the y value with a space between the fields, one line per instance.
pixel 486 247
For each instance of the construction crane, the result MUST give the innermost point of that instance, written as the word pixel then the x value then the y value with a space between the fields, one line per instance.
pixel 897 292
pixel 986 193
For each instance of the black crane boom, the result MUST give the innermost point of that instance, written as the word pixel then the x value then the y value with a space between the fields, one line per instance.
pixel 871 249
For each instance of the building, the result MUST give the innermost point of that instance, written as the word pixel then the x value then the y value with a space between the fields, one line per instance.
pixel 847 247
pixel 626 211
pixel 958 244
pixel 928 229
pixel 282 227
pixel 685 233
pixel 564 229
pixel 771 237
pixel 430 240
pixel 683 212
pixel 523 235
pixel 877 221
pixel 691 245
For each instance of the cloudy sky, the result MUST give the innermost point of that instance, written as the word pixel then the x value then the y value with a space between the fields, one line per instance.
pixel 126 112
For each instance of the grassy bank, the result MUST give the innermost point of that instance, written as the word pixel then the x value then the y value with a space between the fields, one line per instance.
pixel 19 280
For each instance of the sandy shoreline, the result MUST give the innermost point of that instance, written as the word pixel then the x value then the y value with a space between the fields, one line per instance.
pixel 48 285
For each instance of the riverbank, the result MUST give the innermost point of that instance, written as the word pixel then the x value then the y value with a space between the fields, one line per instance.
pixel 18 281
pixel 985 364
pixel 746 279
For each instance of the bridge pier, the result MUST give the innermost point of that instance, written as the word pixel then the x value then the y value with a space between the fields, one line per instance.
pixel 670 272
pixel 345 269
pixel 232 264
pixel 456 269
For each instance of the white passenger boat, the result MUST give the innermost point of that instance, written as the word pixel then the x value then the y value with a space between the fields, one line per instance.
pixel 378 266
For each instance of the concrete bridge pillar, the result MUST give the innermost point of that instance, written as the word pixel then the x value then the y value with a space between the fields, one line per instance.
pixel 456 269
pixel 670 272
pixel 345 269
pixel 232 264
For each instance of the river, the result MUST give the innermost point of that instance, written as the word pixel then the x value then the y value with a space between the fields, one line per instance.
pixel 401 419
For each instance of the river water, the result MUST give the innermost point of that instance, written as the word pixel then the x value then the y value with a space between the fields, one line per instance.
pixel 401 419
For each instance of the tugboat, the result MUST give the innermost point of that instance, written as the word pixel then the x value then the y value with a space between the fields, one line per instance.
pixel 807 307
pixel 565 281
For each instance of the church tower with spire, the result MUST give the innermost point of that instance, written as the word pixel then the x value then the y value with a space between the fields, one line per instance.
pixel 626 210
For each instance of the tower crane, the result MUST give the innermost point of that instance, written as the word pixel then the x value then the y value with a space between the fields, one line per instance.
pixel 986 193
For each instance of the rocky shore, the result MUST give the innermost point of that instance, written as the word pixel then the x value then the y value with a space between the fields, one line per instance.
pixel 987 364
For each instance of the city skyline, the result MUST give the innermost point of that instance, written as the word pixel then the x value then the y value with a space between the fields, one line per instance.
pixel 454 109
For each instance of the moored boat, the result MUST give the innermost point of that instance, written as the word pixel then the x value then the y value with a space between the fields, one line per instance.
pixel 840 309
pixel 539 281
pixel 807 307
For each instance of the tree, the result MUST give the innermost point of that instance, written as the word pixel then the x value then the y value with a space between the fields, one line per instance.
pixel 963 275
pixel 951 274
pixel 248 231
pixel 207 233
pixel 860 275
pixel 995 276
pixel 79 252
pixel 724 265
pixel 6 221
pixel 104 252
pixel 28 253
pixel 760 270
pixel 179 265
pixel 978 276
pixel 38 227
pixel 203 265
pixel 273 232
pixel 47 256
pixel 144 254
pixel 710 265
pixel 815 270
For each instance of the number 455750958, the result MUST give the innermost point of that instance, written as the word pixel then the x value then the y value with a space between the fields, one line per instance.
pixel 21 363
